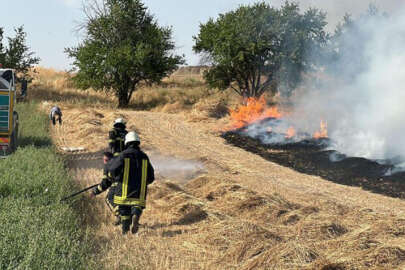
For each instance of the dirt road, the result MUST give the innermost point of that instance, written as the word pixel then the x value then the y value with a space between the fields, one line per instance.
pixel 299 219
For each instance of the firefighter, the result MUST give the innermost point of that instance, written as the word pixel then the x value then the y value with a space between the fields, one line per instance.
pixel 117 136
pixel 133 172
pixel 55 112
pixel 107 182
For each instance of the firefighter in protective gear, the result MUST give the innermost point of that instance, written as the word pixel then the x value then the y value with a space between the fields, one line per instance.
pixel 133 172
pixel 117 136
pixel 107 182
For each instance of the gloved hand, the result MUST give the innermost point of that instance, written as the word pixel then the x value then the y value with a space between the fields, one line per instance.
pixel 95 192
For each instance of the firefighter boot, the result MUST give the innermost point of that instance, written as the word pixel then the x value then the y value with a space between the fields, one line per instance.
pixel 135 224
pixel 126 223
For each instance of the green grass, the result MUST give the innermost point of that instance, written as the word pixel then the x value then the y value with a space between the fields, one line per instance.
pixel 36 231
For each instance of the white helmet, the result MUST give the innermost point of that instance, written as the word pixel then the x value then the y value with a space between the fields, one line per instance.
pixel 119 121
pixel 131 137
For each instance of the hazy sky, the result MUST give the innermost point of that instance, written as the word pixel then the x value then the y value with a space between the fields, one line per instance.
pixel 50 23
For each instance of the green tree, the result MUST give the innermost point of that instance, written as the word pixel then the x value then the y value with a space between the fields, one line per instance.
pixel 123 46
pixel 256 48
pixel 17 54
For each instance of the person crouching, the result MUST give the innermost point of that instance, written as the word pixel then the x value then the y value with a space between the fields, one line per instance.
pixel 55 115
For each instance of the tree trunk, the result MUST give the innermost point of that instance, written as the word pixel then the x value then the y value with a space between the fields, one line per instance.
pixel 125 93
pixel 123 100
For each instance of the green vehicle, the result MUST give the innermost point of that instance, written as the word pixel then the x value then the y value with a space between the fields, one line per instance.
pixel 8 117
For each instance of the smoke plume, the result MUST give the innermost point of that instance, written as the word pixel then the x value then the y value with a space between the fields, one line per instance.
pixel 176 169
pixel 363 102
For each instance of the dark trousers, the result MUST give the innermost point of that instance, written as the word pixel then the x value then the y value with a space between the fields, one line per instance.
pixel 126 213
pixel 54 120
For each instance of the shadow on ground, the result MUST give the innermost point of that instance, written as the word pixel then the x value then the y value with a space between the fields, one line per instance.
pixel 24 141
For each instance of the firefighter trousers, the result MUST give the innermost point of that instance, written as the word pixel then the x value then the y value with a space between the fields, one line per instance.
pixel 127 212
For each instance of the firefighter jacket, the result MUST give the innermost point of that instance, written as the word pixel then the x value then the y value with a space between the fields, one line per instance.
pixel 133 172
pixel 116 140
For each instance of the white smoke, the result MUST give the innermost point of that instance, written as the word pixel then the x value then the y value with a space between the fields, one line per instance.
pixel 365 111
pixel 337 9
pixel 269 132
pixel 175 169
pixel 336 156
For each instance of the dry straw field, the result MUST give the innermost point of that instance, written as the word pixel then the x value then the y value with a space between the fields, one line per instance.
pixel 234 210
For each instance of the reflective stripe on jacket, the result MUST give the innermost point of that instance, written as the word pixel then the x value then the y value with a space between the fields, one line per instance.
pixel 133 171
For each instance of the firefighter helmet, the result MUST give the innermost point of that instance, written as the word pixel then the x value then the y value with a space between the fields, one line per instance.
pixel 132 137
pixel 119 121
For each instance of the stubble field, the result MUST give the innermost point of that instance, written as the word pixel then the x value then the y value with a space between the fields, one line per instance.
pixel 230 209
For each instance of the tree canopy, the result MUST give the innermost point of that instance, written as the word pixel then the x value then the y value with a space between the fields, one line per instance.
pixel 257 47
pixel 16 54
pixel 123 46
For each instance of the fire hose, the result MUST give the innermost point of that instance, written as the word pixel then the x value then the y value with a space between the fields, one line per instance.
pixel 83 190
pixel 77 193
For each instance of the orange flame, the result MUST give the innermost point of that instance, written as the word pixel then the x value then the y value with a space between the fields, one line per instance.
pixel 254 110
pixel 323 133
pixel 290 132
